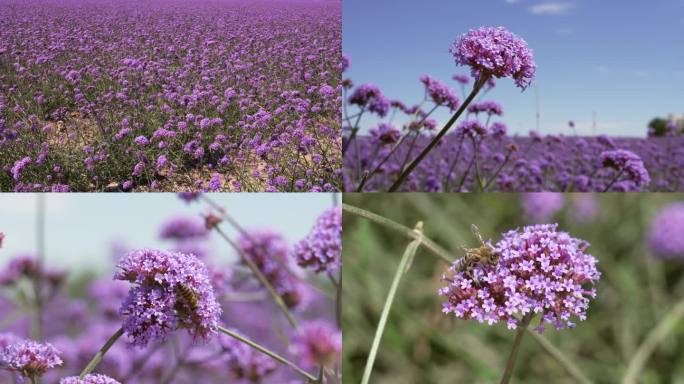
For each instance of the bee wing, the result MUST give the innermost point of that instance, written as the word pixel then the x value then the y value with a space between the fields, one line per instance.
pixel 476 232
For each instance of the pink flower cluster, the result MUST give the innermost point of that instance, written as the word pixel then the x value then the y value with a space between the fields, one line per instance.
pixel 540 272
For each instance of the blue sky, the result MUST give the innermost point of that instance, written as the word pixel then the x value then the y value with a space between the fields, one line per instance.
pixel 620 60
pixel 81 227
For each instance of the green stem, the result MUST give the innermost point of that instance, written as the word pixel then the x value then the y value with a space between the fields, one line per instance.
pixel 560 358
pixel 406 259
pixel 655 337
pixel 260 276
pixel 404 174
pixel 267 352
pixel 510 364
pixel 100 354
pixel 408 232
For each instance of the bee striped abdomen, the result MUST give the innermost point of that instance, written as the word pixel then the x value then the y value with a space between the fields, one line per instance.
pixel 186 295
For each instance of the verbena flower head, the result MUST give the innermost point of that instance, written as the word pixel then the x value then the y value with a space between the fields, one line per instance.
pixel 183 228
pixel 321 249
pixel 317 343
pixel 461 79
pixel 244 362
pixel 495 52
pixel 627 163
pixel 541 206
pixel 665 235
pixel 488 107
pixel 89 379
pixel 29 358
pixel 471 128
pixel 271 254
pixel 189 197
pixel 171 290
pixel 385 134
pixel 439 92
pixel 540 271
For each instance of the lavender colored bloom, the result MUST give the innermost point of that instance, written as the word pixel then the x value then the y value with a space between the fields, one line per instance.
pixel 471 128
pixel 141 141
pixel 385 134
pixel 665 234
pixel 89 379
pixel 244 362
pixel 171 290
pixel 585 207
pixel 183 228
pixel 321 249
pixel 461 79
pixel 270 252
pixel 439 92
pixel 346 62
pixel 626 163
pixel 363 94
pixel 498 129
pixel 215 183
pixel 6 339
pixel 540 207
pixel 379 105
pixel 29 358
pixel 188 197
pixel 488 107
pixel 540 271
pixel 495 52
pixel 18 267
pixel 19 166
pixel 317 343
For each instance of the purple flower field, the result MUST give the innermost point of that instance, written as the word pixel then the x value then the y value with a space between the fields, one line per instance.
pixel 472 151
pixel 222 304
pixel 550 163
pixel 170 95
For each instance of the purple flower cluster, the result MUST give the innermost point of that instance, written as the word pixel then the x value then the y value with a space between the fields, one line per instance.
pixel 534 163
pixel 89 379
pixel 321 249
pixel 628 164
pixel 439 92
pixel 540 272
pixel 540 207
pixel 495 52
pixel 271 254
pixel 183 228
pixel 369 96
pixel 29 358
pixel 172 290
pixel 665 235
pixel 244 362
pixel 317 343
pixel 166 94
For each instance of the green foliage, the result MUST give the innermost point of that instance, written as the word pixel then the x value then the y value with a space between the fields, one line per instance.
pixel 659 126
pixel 422 345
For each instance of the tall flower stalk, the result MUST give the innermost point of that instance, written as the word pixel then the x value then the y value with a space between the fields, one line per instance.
pixel 404 265
pixel 552 252
pixel 490 53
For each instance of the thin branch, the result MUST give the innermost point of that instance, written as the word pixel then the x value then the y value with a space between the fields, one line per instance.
pixel 436 249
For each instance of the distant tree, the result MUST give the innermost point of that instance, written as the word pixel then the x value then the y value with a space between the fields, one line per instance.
pixel 657 127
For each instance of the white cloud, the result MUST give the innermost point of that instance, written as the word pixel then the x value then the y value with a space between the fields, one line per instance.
pixel 604 69
pixel 552 8
pixel 512 1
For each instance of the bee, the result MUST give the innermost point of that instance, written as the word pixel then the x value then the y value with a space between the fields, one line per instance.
pixel 484 255
pixel 187 296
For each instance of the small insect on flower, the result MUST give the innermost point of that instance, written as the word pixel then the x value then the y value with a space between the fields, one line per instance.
pixel 187 296
pixel 484 255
